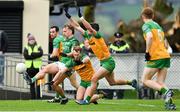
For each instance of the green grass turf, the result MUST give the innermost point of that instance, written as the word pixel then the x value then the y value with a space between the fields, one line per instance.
pixel 104 105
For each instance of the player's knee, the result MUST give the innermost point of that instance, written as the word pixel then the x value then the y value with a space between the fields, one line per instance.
pixel 112 83
pixel 44 70
pixel 143 82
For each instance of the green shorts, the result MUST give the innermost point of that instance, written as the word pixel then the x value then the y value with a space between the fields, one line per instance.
pixel 160 63
pixel 85 84
pixel 108 64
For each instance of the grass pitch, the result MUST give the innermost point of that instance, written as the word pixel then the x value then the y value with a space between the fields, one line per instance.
pixel 104 105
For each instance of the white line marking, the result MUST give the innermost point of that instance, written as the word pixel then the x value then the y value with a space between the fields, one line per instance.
pixel 142 105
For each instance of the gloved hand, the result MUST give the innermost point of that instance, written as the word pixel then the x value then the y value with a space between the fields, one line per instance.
pixel 79 12
pixel 147 56
pixel 66 13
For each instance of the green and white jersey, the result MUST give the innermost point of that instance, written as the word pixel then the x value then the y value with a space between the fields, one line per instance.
pixel 57 40
pixel 67 47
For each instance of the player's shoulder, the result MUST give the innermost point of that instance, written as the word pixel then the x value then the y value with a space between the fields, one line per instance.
pixel 145 26
pixel 74 39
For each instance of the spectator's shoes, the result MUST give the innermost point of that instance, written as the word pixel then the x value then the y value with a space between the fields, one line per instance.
pixel 54 100
pixel 27 78
pixel 170 106
pixel 64 101
pixel 134 84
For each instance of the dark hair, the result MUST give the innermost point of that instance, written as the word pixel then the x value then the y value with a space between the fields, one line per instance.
pixel 69 27
pixel 56 28
pixel 28 34
pixel 148 13
pixel 77 48
pixel 95 26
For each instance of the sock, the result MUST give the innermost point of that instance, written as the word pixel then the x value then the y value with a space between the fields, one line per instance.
pixel 63 96
pixel 163 90
pixel 33 79
pixel 88 98
pixel 57 95
pixel 129 82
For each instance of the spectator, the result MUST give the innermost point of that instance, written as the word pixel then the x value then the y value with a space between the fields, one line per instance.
pixel 86 47
pixel 3 41
pixel 32 54
pixel 119 45
pixel 3 48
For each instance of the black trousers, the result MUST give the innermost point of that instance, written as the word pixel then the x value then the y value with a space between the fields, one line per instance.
pixel 34 89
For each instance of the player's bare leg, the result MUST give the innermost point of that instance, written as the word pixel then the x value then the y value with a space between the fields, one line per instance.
pixel 58 89
pixel 80 93
pixel 73 80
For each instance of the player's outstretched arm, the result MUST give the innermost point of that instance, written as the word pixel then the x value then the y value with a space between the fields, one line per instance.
pixel 166 43
pixel 85 23
pixel 73 22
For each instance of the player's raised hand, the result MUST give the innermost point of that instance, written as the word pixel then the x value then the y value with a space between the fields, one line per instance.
pixel 79 12
pixel 66 13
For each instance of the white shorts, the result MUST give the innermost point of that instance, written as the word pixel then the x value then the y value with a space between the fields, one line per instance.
pixel 60 65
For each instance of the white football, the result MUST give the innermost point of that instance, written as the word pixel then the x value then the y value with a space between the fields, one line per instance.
pixel 21 68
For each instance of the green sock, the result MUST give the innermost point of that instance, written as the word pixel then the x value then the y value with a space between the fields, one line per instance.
pixel 129 82
pixel 57 95
pixel 163 90
pixel 62 95
pixel 33 79
pixel 88 98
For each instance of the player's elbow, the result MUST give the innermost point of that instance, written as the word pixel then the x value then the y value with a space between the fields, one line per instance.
pixel 94 79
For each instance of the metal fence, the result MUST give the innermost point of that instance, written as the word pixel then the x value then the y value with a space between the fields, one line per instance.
pixel 128 66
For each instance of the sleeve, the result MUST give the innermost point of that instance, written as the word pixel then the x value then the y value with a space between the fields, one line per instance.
pixel 146 29
pixel 26 55
pixel 98 35
pixel 38 54
pixel 56 43
pixel 83 56
pixel 86 35
pixel 70 64
pixel 75 43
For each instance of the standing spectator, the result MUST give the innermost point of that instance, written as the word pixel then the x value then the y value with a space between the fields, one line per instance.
pixel 3 48
pixel 119 45
pixel 32 54
pixel 86 47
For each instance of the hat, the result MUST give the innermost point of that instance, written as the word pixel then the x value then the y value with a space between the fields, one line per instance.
pixel 118 35
pixel 30 37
